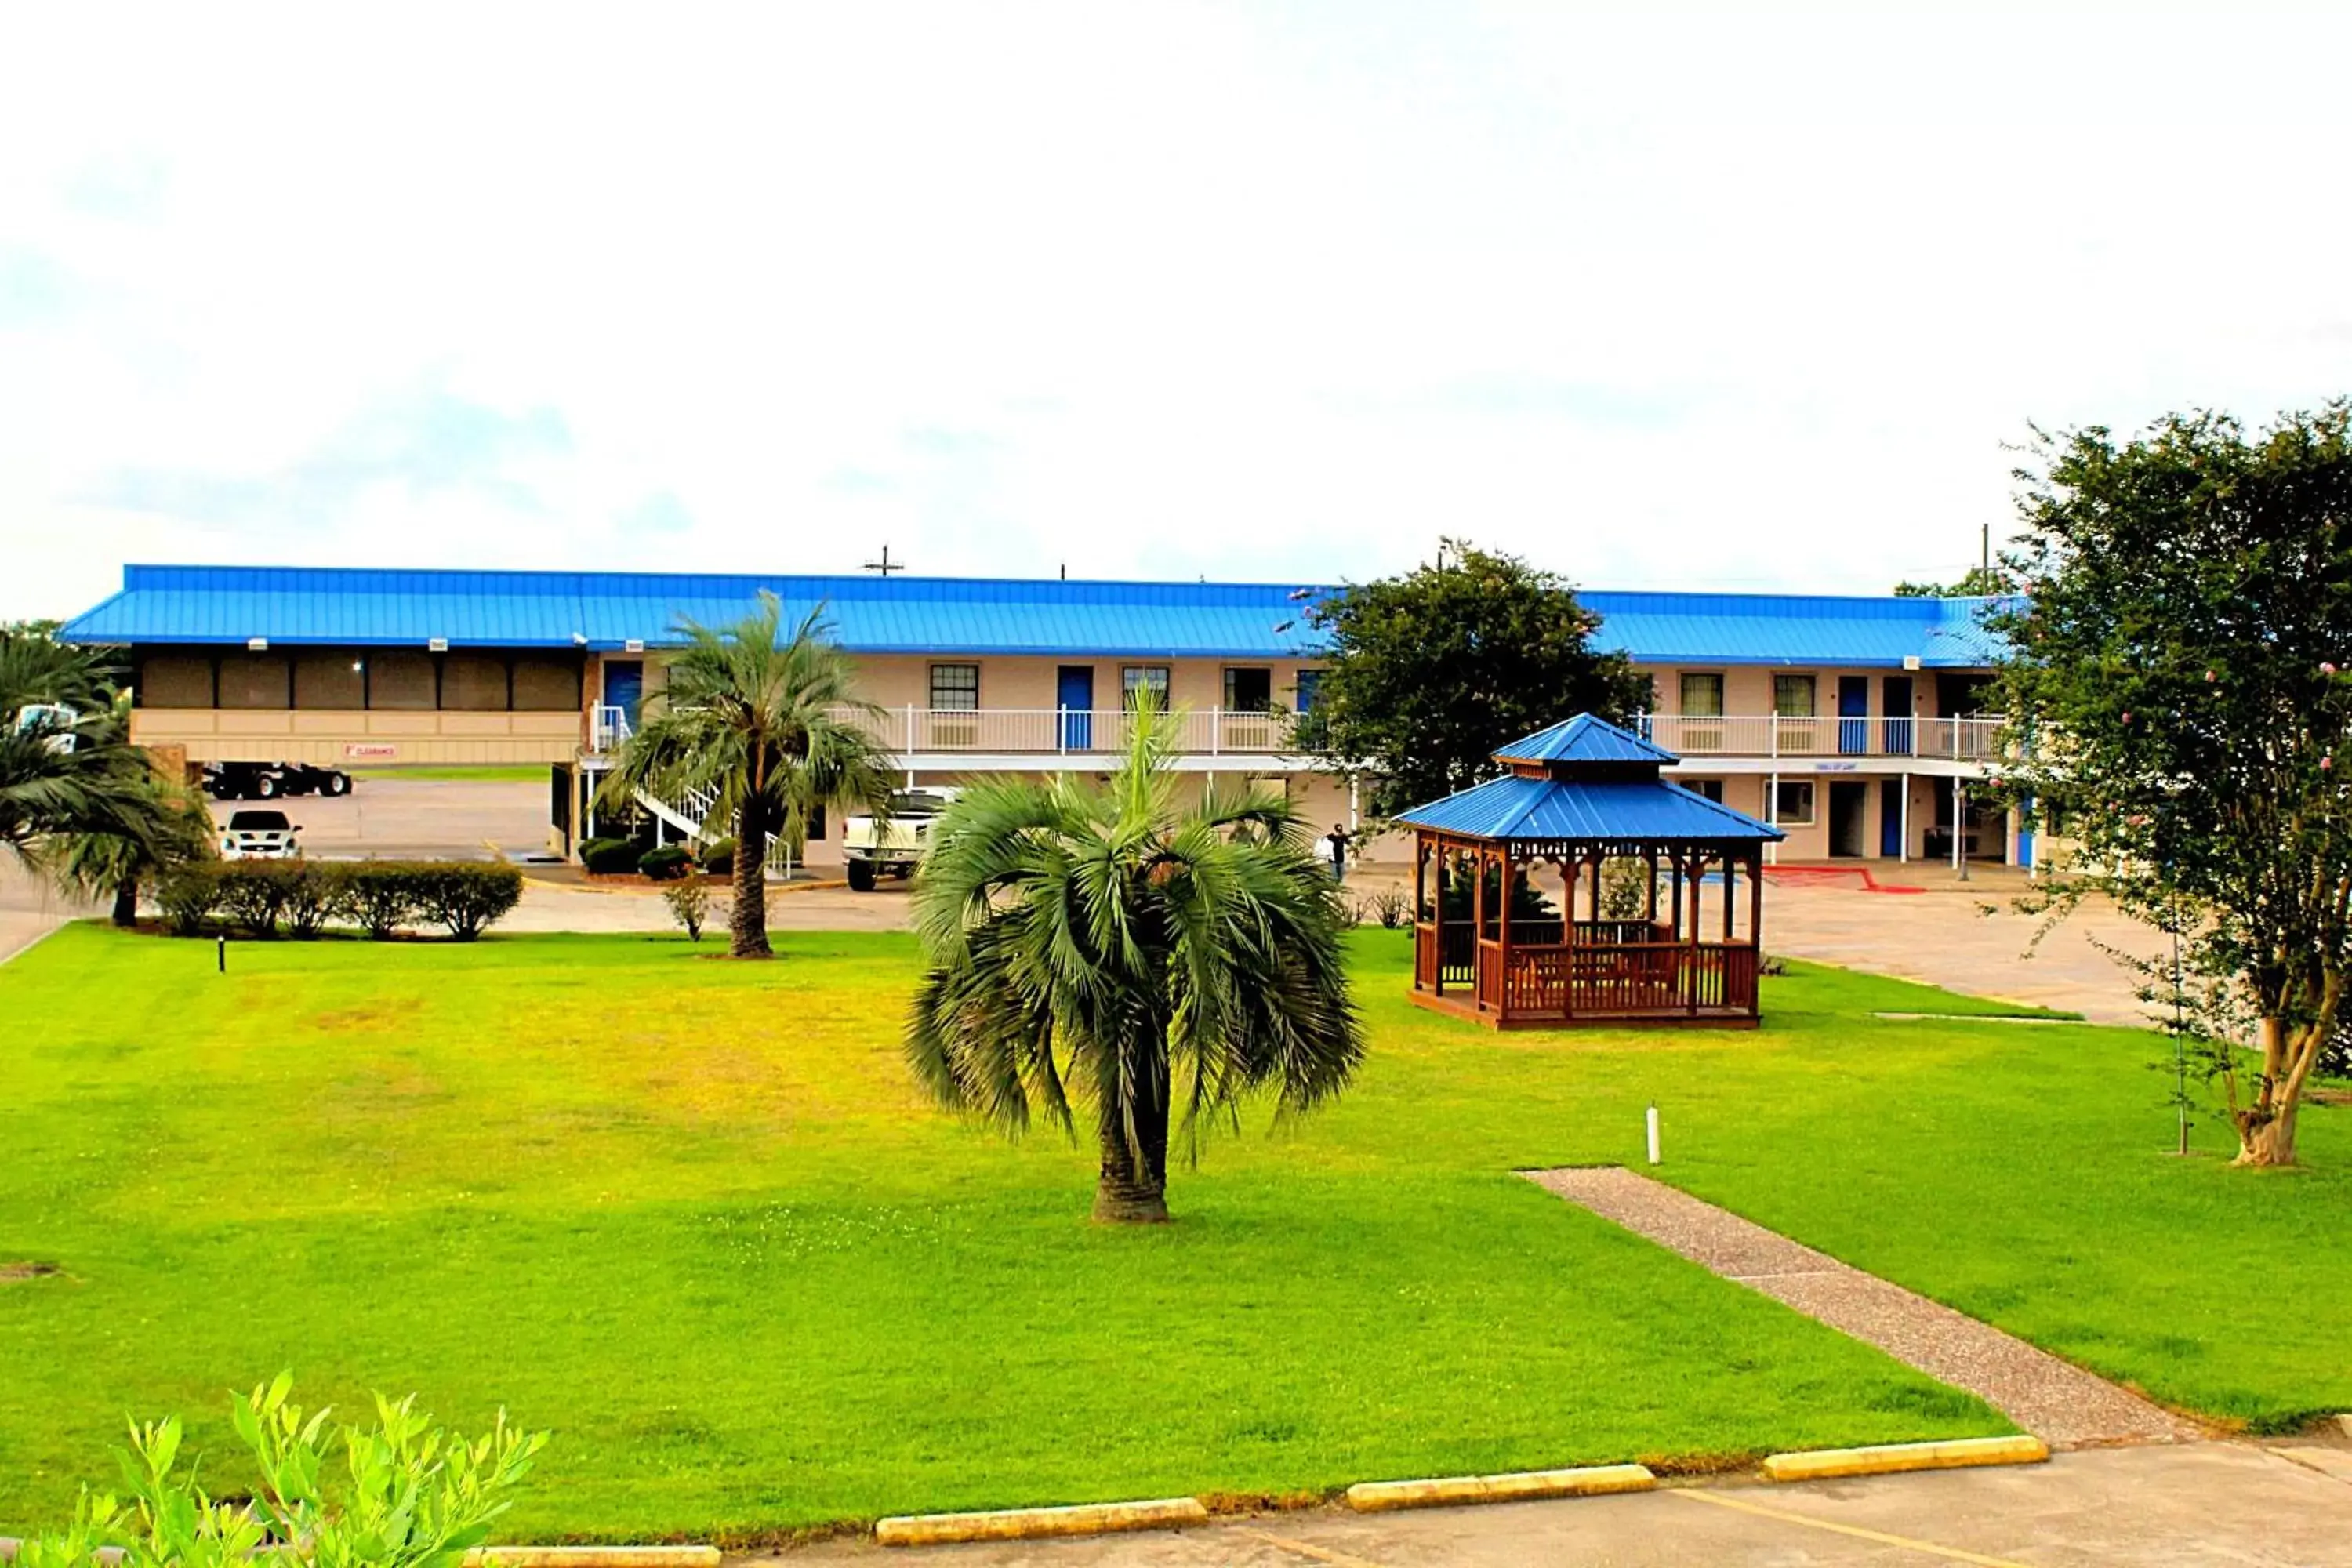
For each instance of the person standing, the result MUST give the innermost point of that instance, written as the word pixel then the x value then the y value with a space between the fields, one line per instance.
pixel 1338 839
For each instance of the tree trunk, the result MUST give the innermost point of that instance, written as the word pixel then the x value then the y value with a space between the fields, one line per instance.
pixel 126 902
pixel 1133 1191
pixel 2266 1128
pixel 747 921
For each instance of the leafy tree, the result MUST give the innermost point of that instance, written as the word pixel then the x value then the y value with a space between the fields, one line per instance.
pixel 2182 685
pixel 1429 672
pixel 764 724
pixel 1094 940
pixel 1978 582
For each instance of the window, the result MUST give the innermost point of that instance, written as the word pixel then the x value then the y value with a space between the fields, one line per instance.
pixel 1711 788
pixel 1792 802
pixel 1135 679
pixel 1310 687
pixel 1793 700
pixel 255 680
pixel 1700 726
pixel 955 688
pixel 1249 688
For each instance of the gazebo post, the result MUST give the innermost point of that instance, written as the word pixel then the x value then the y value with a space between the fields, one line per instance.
pixel 1730 884
pixel 1478 930
pixel 1570 865
pixel 1698 919
pixel 1674 922
pixel 1649 892
pixel 1503 941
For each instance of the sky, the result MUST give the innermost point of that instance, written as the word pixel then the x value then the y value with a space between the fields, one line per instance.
pixel 1747 298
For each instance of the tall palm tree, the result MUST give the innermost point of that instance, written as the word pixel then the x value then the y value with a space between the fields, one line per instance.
pixel 767 725
pixel 1103 938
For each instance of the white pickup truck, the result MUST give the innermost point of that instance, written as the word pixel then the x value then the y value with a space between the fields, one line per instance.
pixel 870 851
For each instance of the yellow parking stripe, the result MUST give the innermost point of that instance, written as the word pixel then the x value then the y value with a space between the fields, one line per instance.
pixel 1950 1553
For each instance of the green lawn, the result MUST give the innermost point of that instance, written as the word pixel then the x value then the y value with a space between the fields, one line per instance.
pixel 692 1216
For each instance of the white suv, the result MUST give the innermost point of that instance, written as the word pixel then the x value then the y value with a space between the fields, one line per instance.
pixel 258 836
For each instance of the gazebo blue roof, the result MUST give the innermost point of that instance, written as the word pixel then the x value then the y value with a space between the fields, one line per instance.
pixel 1584 739
pixel 1599 784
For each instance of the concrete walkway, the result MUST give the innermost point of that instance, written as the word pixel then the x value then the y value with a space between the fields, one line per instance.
pixel 2056 1401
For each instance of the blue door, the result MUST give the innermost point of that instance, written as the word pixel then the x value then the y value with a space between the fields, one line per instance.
pixel 1075 696
pixel 1890 817
pixel 625 686
pixel 1853 713
pixel 1895 727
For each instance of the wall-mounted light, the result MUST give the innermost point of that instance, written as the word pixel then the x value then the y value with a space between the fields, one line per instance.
pixel 635 645
pixel 257 645
pixel 579 640
pixel 358 665
pixel 436 645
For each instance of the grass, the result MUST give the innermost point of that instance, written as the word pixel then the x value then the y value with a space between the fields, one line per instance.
pixel 693 1215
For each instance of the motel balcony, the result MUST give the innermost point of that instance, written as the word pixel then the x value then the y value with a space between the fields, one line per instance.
pixel 1206 740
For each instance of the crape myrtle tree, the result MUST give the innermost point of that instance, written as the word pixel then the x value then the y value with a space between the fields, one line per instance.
pixel 766 723
pixel 1107 945
pixel 2181 685
pixel 1427 673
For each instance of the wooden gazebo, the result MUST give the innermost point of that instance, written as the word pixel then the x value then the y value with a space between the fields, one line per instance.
pixel 1500 872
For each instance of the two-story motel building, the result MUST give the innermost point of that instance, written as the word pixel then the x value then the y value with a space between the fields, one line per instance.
pixel 1853 724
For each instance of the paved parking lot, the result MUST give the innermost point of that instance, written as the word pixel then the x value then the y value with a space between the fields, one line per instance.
pixel 2164 1506
pixel 461 819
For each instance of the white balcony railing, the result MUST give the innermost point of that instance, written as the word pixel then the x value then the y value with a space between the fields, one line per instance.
pixel 1051 732
pixel 1694 737
pixel 1039 731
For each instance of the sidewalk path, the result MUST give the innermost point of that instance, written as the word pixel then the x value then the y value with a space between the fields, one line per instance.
pixel 2056 1401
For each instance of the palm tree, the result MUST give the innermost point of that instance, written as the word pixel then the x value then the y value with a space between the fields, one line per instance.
pixel 51 790
pixel 765 726
pixel 117 865
pixel 1099 937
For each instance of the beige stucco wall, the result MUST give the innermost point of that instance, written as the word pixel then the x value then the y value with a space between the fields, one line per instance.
pixel 333 737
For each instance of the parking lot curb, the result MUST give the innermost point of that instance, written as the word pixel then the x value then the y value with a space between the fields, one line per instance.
pixel 1517 1486
pixel 1037 1523
pixel 1890 1458
pixel 592 1557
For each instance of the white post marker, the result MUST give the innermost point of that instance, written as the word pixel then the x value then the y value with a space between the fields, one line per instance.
pixel 1652 1121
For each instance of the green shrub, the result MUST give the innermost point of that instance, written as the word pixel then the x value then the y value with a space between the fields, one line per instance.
pixel 689 905
pixel 719 857
pixel 464 897
pixel 380 895
pixel 188 894
pixel 317 891
pixel 252 892
pixel 666 862
pixel 610 857
pixel 400 1494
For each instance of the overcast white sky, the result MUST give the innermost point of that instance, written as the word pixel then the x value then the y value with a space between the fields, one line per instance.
pixel 1746 299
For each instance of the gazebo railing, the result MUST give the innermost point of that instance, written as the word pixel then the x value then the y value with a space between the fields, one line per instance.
pixel 1634 978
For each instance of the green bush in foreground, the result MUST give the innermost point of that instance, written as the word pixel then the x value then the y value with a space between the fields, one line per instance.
pixel 400 1494
pixel 666 862
pixel 609 857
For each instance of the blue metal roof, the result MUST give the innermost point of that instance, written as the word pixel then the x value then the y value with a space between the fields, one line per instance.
pixel 605 610
pixel 1583 739
pixel 1794 630
pixel 229 604
pixel 1651 810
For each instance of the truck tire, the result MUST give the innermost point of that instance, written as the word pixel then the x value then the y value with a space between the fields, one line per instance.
pixel 335 783
pixel 861 876
pixel 266 786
